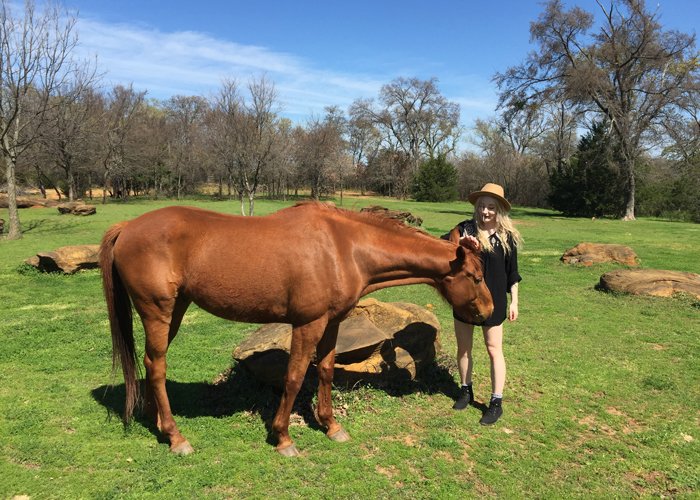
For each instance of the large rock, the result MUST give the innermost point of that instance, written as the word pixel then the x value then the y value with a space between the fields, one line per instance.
pixel 67 260
pixel 76 208
pixel 595 253
pixel 377 342
pixel 2 225
pixel 655 282
pixel 403 216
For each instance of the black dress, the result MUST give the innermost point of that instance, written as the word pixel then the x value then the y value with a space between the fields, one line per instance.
pixel 500 272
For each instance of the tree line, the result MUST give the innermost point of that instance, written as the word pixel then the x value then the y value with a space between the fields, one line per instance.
pixel 597 121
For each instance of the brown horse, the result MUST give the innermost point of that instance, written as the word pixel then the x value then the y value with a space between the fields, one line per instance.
pixel 306 265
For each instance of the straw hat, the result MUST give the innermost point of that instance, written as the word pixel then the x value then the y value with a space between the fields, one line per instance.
pixel 493 190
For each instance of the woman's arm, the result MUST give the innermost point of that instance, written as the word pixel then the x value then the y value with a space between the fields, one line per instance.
pixel 513 311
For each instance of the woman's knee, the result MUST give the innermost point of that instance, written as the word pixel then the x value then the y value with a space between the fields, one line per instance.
pixel 495 350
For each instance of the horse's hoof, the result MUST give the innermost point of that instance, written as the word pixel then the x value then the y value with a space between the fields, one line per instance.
pixel 183 448
pixel 288 451
pixel 339 436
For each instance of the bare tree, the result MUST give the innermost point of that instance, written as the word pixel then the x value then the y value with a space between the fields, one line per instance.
pixel 559 141
pixel 630 71
pixel 319 152
pixel 117 125
pixel 279 176
pixel 185 118
pixel 222 122
pixel 35 61
pixel 364 140
pixel 68 139
pixel 682 126
pixel 414 119
pixel 150 149
pixel 256 133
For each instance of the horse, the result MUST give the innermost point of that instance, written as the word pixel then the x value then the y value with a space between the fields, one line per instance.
pixel 306 265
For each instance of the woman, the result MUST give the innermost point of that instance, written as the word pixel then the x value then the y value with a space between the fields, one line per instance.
pixel 492 230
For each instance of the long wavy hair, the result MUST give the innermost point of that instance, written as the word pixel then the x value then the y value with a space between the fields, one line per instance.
pixel 505 227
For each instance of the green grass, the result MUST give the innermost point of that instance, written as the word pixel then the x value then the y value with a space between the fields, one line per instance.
pixel 602 397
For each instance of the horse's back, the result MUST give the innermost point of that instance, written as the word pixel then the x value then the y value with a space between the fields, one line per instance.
pixel 280 267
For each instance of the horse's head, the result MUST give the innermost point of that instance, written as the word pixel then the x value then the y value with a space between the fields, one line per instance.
pixel 464 287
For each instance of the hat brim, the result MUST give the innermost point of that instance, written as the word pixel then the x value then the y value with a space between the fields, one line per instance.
pixel 478 194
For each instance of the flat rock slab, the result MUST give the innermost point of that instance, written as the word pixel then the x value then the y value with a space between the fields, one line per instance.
pixel 656 282
pixel 67 260
pixel 404 216
pixel 76 208
pixel 377 341
pixel 588 254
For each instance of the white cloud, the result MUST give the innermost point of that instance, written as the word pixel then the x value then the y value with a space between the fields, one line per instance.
pixel 192 63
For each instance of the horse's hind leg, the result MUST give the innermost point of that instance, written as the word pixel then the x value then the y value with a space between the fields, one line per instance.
pixel 160 331
pixel 325 354
pixel 150 404
pixel 304 340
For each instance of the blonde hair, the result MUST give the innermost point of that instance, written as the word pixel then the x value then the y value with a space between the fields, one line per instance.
pixel 504 227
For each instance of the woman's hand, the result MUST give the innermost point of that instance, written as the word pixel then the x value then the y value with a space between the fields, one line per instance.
pixel 513 312
pixel 473 242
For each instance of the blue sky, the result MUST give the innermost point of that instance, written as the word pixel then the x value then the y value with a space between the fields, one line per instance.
pixel 320 53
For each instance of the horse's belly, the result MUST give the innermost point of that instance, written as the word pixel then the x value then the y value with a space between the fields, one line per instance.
pixel 261 300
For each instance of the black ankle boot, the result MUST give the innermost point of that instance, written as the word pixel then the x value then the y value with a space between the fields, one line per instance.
pixel 466 396
pixel 493 412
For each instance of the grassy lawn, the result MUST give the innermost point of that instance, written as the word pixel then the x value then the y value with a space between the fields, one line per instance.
pixel 602 397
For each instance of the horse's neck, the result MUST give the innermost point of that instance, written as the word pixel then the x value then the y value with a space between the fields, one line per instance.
pixel 402 258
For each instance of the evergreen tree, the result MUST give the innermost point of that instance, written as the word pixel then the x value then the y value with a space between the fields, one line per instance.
pixel 436 181
pixel 592 183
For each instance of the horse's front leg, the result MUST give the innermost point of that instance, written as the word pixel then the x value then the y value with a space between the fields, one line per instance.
pixel 304 340
pixel 325 354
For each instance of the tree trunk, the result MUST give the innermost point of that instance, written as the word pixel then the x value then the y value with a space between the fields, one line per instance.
pixel 104 188
pixel 629 209
pixel 71 184
pixel 14 228
pixel 251 203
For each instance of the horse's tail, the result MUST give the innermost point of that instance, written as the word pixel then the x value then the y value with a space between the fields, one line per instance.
pixel 120 320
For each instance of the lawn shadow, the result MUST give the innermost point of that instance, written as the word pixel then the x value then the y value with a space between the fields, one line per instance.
pixel 237 391
pixel 515 212
pixel 234 391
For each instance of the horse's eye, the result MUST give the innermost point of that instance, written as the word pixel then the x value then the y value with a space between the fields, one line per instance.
pixel 478 280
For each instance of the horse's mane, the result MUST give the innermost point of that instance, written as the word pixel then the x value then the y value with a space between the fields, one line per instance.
pixel 375 218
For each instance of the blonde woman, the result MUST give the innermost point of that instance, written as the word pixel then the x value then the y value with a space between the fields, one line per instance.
pixel 492 230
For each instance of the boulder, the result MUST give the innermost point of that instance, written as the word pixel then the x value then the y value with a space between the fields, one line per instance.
pixel 76 208
pixel 588 254
pixel 85 210
pixel 2 225
pixel 403 216
pixel 377 342
pixel 654 282
pixel 67 260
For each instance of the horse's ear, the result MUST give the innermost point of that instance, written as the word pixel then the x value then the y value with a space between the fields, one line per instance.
pixel 455 235
pixel 461 256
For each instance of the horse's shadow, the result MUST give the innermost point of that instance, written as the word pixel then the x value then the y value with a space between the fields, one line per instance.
pixel 238 391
